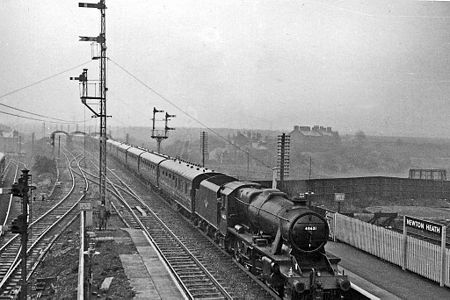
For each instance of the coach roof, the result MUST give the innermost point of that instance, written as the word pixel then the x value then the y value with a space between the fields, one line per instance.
pixel 153 157
pixel 184 169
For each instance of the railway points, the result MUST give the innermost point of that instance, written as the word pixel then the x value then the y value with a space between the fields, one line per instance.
pixel 43 229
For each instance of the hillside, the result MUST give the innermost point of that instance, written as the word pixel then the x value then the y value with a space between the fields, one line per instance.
pixel 355 156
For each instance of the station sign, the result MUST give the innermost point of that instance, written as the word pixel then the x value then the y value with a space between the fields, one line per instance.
pixel 339 197
pixel 427 226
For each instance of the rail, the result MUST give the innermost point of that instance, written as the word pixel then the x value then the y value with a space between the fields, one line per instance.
pixel 8 212
pixel 40 238
pixel 160 251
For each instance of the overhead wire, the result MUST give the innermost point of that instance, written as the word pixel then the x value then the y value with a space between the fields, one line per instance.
pixel 34 119
pixel 36 83
pixel 39 115
pixel 42 80
pixel 186 113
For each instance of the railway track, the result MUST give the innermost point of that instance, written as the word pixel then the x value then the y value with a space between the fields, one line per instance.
pixel 202 268
pixel 11 210
pixel 192 275
pixel 43 231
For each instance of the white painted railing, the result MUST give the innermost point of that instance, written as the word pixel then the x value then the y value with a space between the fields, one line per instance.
pixel 416 255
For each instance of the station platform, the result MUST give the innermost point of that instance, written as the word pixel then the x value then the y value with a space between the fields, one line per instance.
pixel 148 275
pixel 383 279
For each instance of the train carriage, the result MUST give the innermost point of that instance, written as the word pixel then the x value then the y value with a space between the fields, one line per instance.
pixel 113 147
pixel 181 180
pixel 122 153
pixel 149 168
pixel 133 158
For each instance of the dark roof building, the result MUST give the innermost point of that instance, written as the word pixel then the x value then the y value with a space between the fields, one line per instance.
pixel 316 138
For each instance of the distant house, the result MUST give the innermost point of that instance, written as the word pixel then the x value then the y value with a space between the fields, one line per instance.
pixel 241 139
pixel 316 138
pixel 252 142
pixel 9 140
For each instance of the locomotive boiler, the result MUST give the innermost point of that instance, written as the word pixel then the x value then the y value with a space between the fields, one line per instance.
pixel 282 241
pixel 270 211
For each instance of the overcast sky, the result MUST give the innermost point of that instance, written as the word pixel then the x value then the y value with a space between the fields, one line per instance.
pixel 377 66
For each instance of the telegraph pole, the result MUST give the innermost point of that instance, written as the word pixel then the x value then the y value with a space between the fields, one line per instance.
pixel 204 146
pixel 102 89
pixel 283 157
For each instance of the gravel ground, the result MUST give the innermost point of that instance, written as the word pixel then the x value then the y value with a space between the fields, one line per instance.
pixel 61 264
pixel 430 213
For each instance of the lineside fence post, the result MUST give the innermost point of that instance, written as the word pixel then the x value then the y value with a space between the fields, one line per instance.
pixel 335 226
pixel 443 256
pixel 405 245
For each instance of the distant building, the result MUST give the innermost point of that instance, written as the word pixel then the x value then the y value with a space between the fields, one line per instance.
pixel 428 174
pixel 9 141
pixel 316 138
pixel 252 142
pixel 249 139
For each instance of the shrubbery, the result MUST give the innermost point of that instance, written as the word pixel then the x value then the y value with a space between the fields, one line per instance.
pixel 43 164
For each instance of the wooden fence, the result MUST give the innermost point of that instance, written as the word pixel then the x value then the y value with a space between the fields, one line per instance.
pixel 416 255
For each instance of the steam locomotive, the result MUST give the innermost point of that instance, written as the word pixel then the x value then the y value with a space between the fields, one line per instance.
pixel 279 240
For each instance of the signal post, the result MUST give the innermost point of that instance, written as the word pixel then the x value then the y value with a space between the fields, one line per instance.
pixel 20 225
pixel 100 92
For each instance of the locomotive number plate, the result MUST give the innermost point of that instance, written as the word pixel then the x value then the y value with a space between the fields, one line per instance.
pixel 311 228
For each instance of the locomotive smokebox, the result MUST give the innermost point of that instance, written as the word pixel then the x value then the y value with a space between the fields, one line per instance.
pixel 270 210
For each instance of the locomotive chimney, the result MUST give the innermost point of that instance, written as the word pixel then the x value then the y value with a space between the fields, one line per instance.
pixel 300 200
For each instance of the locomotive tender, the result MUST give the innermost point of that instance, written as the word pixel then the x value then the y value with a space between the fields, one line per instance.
pixel 279 240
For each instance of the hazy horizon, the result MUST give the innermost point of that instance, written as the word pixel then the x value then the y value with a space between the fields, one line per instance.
pixel 381 67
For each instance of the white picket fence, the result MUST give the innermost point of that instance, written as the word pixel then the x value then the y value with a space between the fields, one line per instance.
pixel 420 257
